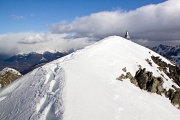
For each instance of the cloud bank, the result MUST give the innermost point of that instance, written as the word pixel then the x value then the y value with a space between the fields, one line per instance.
pixel 39 42
pixel 155 22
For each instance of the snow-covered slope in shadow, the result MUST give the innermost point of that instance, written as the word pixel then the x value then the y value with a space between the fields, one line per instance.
pixel 83 86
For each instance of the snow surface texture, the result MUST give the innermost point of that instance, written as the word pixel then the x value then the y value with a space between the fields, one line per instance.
pixel 83 86
pixel 37 95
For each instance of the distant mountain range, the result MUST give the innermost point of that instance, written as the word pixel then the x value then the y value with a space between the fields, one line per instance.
pixel 169 52
pixel 27 62
pixel 24 63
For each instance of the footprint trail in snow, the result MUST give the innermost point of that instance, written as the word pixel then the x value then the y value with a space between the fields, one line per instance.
pixel 42 95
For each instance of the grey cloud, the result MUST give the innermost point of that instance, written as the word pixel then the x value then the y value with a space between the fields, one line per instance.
pixel 146 42
pixel 153 22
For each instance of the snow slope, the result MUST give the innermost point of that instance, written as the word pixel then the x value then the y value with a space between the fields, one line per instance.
pixel 83 86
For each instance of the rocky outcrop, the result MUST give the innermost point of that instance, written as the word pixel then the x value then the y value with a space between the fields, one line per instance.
pixel 124 69
pixel 149 62
pixel 156 85
pixel 172 71
pixel 128 75
pixel 146 81
pixel 142 78
pixel 174 96
pixel 8 75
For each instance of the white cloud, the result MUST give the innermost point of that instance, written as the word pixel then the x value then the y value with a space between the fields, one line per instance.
pixel 160 22
pixel 17 17
pixel 32 39
pixel 39 42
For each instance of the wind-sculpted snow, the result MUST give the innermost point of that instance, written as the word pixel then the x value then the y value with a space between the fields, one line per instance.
pixel 37 96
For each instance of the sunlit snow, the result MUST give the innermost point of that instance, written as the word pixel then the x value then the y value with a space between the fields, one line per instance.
pixel 83 86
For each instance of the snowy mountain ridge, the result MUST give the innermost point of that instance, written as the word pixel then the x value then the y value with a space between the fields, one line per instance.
pixel 170 52
pixel 83 86
pixel 42 52
pixel 27 62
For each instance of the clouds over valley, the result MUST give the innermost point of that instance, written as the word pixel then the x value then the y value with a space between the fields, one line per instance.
pixel 39 42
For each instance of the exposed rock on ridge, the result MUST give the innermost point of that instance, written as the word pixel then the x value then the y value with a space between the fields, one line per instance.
pixel 8 75
pixel 146 81
pixel 170 70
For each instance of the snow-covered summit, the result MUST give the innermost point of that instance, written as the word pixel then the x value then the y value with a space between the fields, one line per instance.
pixel 5 70
pixel 7 76
pixel 83 86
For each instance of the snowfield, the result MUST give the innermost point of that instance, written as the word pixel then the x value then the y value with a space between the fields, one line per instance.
pixel 83 86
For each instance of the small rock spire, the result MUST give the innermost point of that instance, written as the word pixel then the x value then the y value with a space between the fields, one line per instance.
pixel 127 36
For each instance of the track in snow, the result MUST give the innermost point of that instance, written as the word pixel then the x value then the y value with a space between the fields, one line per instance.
pixel 42 94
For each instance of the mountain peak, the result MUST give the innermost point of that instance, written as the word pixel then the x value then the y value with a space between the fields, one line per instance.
pixel 83 86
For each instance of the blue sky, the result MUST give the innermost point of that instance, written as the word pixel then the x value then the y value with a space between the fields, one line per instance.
pixel 35 15
pixel 30 25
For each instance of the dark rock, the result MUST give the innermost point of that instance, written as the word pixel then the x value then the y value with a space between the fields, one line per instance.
pixel 155 85
pixel 124 69
pixel 142 78
pixel 174 71
pixel 171 91
pixel 134 81
pixel 174 96
pixel 121 77
pixel 167 93
pixel 146 81
pixel 176 99
pixel 149 62
pixel 177 89
pixel 159 62
pixel 128 75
